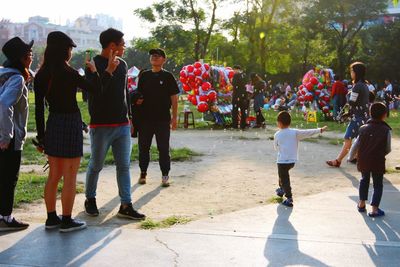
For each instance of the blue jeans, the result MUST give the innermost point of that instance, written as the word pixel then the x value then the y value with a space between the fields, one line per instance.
pixel 378 187
pixel 119 138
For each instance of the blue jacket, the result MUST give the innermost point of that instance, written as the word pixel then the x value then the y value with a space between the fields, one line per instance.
pixel 13 108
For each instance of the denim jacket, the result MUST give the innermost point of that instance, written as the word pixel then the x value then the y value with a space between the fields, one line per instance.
pixel 13 108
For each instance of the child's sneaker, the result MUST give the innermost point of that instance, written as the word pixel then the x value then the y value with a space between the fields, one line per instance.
pixel 72 225
pixel 165 181
pixel 52 223
pixel 288 202
pixel 279 192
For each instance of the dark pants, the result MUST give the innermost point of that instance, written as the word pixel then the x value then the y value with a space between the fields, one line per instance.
pixel 284 178
pixel 378 187
pixel 162 132
pixel 243 106
pixel 10 161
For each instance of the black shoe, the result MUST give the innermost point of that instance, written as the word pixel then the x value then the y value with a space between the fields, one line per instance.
pixel 353 161
pixel 279 192
pixel 91 207
pixel 288 202
pixel 130 213
pixel 14 225
pixel 52 223
pixel 72 225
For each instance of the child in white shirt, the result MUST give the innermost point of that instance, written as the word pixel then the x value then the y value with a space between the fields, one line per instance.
pixel 286 142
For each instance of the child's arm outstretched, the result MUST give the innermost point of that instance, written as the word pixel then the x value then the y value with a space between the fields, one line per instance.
pixel 303 134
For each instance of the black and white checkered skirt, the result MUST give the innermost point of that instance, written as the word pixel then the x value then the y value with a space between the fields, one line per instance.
pixel 63 137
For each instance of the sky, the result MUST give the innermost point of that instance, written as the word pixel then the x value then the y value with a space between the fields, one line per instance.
pixel 60 11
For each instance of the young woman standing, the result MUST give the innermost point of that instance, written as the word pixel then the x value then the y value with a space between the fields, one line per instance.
pixel 62 139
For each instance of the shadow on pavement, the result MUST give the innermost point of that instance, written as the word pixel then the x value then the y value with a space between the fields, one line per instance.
pixel 285 251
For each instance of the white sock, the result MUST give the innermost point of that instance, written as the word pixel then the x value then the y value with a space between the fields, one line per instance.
pixel 8 218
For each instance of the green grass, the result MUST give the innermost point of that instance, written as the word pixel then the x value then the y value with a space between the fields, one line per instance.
pixel 275 199
pixel 30 187
pixel 150 224
pixel 392 171
pixel 31 156
pixel 270 115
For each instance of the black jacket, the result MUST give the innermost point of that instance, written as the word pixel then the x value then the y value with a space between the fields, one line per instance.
pixel 112 106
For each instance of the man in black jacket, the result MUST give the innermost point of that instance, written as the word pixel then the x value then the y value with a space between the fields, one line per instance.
pixel 110 125
pixel 239 98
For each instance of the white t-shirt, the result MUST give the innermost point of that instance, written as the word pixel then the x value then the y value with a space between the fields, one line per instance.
pixel 286 142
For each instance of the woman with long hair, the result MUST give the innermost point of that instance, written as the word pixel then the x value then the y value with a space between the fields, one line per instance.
pixel 259 88
pixel 61 139
pixel 359 104
pixel 13 121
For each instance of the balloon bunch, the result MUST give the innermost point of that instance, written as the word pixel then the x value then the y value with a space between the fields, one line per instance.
pixel 316 86
pixel 196 82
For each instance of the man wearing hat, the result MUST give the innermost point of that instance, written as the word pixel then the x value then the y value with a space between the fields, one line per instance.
pixel 160 93
pixel 13 122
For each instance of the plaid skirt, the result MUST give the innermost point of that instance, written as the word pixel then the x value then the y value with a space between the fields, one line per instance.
pixel 64 137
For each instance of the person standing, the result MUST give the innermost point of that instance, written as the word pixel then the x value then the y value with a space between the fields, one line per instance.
pixel 110 124
pixel 160 93
pixel 239 98
pixel 259 88
pixel 61 138
pixel 339 93
pixel 13 121
pixel 371 146
pixel 359 103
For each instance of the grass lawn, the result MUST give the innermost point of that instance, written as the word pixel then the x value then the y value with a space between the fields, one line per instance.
pixel 30 187
pixel 297 118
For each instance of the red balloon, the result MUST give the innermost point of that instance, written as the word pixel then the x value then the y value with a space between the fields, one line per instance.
pixel 231 74
pixel 191 77
pixel 198 80
pixel 300 98
pixel 309 97
pixel 206 86
pixel 203 98
pixel 314 80
pixel 183 80
pixel 183 74
pixel 186 87
pixel 212 95
pixel 202 107
pixel 194 101
pixel 206 66
pixel 205 76
pixel 190 68
pixel 317 92
pixel 197 65
pixel 196 91
pixel 197 72
pixel 309 86
pixel 301 87
pixel 326 98
pixel 325 109
pixel 320 86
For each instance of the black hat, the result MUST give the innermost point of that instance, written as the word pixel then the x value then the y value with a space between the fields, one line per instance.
pixel 15 48
pixel 60 39
pixel 157 51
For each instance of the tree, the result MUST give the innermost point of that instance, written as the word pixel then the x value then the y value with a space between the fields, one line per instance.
pixel 341 22
pixel 180 14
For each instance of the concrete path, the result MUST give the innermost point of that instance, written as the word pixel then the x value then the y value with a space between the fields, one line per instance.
pixel 321 230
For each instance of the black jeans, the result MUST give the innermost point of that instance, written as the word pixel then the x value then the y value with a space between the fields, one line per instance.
pixel 10 162
pixel 378 187
pixel 284 178
pixel 243 106
pixel 162 132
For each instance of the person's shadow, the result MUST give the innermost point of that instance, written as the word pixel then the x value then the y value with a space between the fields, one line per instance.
pixel 386 229
pixel 282 247
pixel 50 248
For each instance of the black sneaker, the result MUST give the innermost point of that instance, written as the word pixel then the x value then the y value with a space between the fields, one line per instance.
pixel 279 192
pixel 13 225
pixel 52 223
pixel 72 225
pixel 91 207
pixel 288 202
pixel 130 213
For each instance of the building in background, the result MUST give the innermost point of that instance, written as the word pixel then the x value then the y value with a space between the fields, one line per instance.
pixel 84 30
